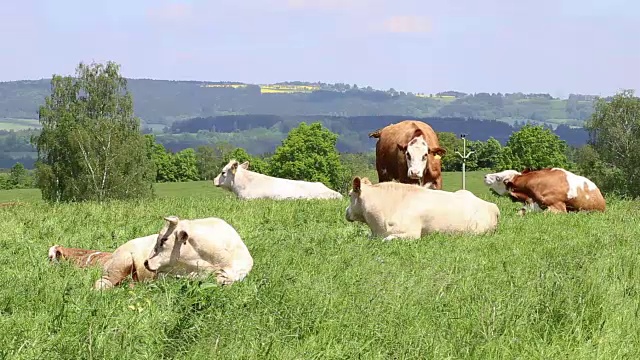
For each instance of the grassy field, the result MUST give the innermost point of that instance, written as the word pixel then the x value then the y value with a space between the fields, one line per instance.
pixel 542 287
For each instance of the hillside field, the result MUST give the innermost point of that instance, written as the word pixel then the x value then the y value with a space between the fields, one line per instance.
pixel 544 286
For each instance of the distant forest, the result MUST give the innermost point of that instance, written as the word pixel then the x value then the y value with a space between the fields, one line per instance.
pixel 185 114
pixel 163 102
pixel 260 134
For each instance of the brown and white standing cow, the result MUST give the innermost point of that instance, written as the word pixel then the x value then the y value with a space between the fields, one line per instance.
pixel 554 190
pixel 409 152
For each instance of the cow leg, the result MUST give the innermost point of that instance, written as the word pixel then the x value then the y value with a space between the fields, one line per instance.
pixel 115 271
pixel 558 207
pixel 437 184
pixel 223 277
pixel 413 233
pixel 529 206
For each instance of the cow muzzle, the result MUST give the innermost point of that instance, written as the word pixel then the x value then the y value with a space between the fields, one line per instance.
pixel 347 214
pixel 413 174
pixel 146 266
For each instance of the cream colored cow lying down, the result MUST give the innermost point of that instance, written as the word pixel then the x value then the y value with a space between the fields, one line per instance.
pixel 183 247
pixel 395 210
pixel 247 184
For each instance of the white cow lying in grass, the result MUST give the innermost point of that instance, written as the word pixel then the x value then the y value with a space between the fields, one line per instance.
pixel 247 184
pixel 396 210
pixel 190 248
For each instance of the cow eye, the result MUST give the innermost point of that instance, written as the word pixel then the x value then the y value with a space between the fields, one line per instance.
pixel 424 156
pixel 408 156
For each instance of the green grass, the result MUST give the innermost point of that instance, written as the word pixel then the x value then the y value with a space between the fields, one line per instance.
pixel 542 287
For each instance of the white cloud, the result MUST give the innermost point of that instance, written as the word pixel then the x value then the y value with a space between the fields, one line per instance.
pixel 407 24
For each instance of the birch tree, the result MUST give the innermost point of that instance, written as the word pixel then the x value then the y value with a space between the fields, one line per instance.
pixel 90 146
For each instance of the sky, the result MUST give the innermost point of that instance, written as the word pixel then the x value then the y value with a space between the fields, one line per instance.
pixel 533 46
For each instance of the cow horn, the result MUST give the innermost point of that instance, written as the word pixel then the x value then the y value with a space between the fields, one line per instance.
pixel 173 220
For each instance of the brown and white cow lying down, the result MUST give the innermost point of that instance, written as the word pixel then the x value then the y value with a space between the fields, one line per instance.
pixel 553 190
pixel 395 210
pixel 183 247
pixel 409 152
pixel 80 257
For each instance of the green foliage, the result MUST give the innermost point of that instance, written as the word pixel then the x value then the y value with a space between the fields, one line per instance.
pixel 206 161
pixel 321 289
pixel 185 165
pixel 488 154
pixel 610 179
pixel 361 164
pixel 165 167
pixel 90 146
pixel 533 147
pixel 614 155
pixel 19 177
pixel 241 155
pixel 450 142
pixel 308 153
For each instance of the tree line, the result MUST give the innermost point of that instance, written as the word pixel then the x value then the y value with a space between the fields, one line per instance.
pixel 164 101
pixel 259 134
pixel 91 147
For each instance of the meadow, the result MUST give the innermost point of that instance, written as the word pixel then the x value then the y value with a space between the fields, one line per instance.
pixel 544 286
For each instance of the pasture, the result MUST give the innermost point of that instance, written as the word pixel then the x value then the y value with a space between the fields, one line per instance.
pixel 542 287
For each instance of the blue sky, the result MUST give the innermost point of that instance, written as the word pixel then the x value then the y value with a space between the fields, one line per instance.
pixel 557 47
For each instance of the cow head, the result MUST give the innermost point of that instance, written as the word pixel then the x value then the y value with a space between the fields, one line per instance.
pixel 416 152
pixel 171 237
pixel 354 211
pixel 227 176
pixel 54 253
pixel 497 181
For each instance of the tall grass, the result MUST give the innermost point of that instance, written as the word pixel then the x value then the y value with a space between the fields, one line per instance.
pixel 542 287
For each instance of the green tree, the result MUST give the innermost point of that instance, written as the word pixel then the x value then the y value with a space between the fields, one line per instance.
pixel 614 129
pixel 207 162
pixel 90 146
pixel 165 166
pixel 308 153
pixel 533 147
pixel 450 142
pixel 241 155
pixel 186 165
pixel 488 154
pixel 451 161
pixel 18 177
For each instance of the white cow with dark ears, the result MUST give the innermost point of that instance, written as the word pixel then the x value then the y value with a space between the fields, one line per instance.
pixel 247 184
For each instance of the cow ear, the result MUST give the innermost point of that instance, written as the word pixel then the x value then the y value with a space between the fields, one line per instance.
pixel 234 167
pixel 508 184
pixel 245 165
pixel 183 236
pixel 356 184
pixel 438 151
